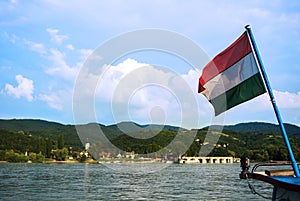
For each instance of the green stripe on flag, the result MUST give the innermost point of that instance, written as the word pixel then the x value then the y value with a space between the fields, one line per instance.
pixel 246 90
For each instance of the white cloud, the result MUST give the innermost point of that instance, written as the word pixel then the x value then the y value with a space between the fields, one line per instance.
pixel 55 37
pixel 36 47
pixel 284 100
pixel 141 91
pixel 24 88
pixel 288 100
pixel 260 108
pixel 61 69
pixel 85 53
pixel 10 37
pixel 70 47
pixel 112 75
pixel 53 100
pixel 33 46
pixel 59 66
pixel 58 99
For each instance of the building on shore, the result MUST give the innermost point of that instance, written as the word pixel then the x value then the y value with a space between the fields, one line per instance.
pixel 207 160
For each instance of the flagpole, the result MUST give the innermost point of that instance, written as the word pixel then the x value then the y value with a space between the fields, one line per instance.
pixel 276 110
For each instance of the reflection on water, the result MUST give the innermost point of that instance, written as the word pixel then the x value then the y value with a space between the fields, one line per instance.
pixel 81 181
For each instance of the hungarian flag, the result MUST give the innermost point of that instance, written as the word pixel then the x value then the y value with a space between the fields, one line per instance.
pixel 232 77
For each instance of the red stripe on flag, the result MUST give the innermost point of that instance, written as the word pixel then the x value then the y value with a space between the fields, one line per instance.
pixel 232 54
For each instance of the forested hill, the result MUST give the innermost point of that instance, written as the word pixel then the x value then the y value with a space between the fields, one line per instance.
pixel 53 129
pixel 254 127
pixel 28 125
pixel 32 125
pixel 128 127
pixel 259 141
pixel 42 128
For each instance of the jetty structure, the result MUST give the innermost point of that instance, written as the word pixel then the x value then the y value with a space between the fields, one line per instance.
pixel 207 160
pixel 234 76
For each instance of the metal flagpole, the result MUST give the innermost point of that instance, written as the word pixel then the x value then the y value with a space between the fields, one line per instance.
pixel 270 92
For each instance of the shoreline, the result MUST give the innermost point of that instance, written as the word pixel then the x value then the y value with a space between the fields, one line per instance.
pixel 90 161
pixel 54 161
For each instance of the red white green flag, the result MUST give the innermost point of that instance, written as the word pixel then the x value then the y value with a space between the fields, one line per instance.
pixel 232 77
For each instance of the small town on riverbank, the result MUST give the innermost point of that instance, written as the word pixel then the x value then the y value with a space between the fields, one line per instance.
pixel 39 141
pixel 69 156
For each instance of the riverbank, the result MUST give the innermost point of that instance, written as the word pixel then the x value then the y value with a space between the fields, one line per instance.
pixel 125 160
pixel 55 161
pixel 92 161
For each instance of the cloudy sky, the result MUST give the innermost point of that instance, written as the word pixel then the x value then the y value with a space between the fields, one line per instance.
pixel 44 46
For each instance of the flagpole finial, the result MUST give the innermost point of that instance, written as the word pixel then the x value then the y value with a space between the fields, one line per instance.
pixel 247 26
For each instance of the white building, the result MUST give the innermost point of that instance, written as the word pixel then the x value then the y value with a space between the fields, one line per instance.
pixel 206 160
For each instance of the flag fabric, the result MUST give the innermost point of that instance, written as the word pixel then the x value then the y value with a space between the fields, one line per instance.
pixel 232 77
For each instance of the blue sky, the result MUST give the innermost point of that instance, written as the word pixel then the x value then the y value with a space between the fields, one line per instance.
pixel 44 45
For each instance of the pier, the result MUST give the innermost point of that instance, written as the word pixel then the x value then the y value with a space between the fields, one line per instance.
pixel 207 160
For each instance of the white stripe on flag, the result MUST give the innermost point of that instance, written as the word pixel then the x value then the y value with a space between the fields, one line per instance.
pixel 231 77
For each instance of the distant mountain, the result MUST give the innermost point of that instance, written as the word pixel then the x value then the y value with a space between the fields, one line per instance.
pixel 129 126
pixel 34 126
pixel 53 130
pixel 263 128
pixel 87 132
pixel 261 141
pixel 43 128
pixel 27 125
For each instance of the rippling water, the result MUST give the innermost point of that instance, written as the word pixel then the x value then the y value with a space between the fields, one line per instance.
pixel 79 181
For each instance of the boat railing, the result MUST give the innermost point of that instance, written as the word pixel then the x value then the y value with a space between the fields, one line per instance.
pixel 271 169
pixel 271 164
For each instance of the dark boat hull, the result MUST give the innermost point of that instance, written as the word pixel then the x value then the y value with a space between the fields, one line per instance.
pixel 280 194
pixel 285 185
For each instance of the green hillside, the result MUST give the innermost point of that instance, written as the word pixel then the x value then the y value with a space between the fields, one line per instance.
pixel 28 125
pixel 259 141
pixel 18 141
pixel 263 128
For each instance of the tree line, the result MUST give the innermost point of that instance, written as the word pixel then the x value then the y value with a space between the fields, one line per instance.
pixel 255 145
pixel 23 147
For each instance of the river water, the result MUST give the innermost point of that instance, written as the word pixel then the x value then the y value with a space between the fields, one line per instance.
pixel 125 181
